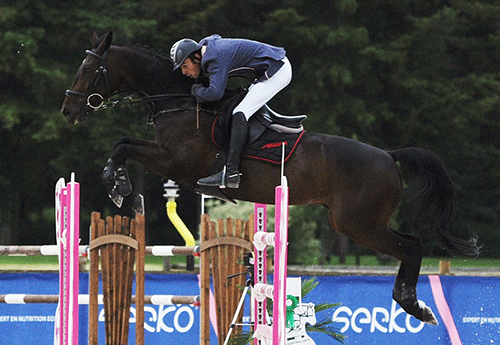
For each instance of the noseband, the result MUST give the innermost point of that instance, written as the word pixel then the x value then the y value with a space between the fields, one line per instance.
pixel 100 73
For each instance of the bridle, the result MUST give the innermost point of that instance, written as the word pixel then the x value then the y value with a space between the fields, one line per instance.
pixel 100 73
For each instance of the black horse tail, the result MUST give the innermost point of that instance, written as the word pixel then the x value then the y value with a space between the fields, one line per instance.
pixel 432 198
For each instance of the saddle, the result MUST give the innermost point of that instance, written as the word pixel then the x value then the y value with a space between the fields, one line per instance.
pixel 267 131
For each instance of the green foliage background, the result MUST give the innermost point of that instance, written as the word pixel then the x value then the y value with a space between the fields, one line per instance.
pixel 391 73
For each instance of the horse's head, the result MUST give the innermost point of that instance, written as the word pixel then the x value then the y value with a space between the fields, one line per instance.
pixel 125 68
pixel 92 83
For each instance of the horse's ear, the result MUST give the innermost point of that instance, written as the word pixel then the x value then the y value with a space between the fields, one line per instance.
pixel 93 37
pixel 103 43
pixel 108 40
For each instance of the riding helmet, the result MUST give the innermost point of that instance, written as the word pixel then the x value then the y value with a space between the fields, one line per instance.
pixel 181 50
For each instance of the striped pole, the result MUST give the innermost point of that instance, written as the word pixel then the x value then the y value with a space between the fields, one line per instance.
pixel 260 268
pixel 68 235
pixel 58 321
pixel 279 239
pixel 263 333
pixel 73 238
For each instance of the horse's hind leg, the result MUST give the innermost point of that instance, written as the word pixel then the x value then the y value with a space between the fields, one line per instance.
pixel 406 248
pixel 409 250
pixel 405 286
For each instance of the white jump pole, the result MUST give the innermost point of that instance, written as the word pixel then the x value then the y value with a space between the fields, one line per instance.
pixel 50 249
pixel 280 263
pixel 85 299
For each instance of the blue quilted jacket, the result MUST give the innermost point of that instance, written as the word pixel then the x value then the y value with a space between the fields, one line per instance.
pixel 228 56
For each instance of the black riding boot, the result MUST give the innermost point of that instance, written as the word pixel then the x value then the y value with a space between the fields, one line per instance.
pixel 229 176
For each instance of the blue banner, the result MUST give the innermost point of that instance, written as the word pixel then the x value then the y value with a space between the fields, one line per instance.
pixel 467 308
pixel 368 315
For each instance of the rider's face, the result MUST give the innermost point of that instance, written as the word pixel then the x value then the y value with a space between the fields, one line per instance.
pixel 191 69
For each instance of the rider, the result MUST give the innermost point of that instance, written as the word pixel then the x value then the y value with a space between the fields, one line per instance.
pixel 218 57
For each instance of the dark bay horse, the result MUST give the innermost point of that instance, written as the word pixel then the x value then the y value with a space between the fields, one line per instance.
pixel 360 185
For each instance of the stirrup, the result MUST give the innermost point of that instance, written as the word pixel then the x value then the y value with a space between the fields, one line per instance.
pixel 233 180
pixel 221 180
pixel 215 180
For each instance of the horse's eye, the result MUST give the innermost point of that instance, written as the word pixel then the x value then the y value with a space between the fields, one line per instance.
pixel 86 70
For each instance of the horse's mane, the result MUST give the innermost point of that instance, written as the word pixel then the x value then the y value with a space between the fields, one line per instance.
pixel 142 48
pixel 172 80
pixel 147 51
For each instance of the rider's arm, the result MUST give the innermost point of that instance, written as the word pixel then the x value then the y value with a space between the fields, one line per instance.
pixel 217 75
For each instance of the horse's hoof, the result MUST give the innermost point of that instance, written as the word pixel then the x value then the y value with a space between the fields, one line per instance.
pixel 116 197
pixel 108 174
pixel 407 299
pixel 427 314
pixel 419 310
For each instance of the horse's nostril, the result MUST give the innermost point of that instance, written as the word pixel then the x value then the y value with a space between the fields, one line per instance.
pixel 65 111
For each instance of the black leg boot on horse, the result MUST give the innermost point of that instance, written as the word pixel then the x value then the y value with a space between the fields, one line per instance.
pixel 405 286
pixel 117 182
pixel 229 176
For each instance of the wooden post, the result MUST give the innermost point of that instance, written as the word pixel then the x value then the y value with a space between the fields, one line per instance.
pixel 205 284
pixel 120 242
pixel 96 221
pixel 223 247
pixel 444 267
pixel 139 277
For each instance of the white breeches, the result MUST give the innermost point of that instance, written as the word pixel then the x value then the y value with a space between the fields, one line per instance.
pixel 262 92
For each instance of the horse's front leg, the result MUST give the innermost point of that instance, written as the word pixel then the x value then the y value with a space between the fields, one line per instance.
pixel 115 174
pixel 119 156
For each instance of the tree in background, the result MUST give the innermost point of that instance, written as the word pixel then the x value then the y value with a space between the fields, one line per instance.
pixel 390 73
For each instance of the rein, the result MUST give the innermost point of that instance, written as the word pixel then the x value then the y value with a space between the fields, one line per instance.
pixel 198 109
